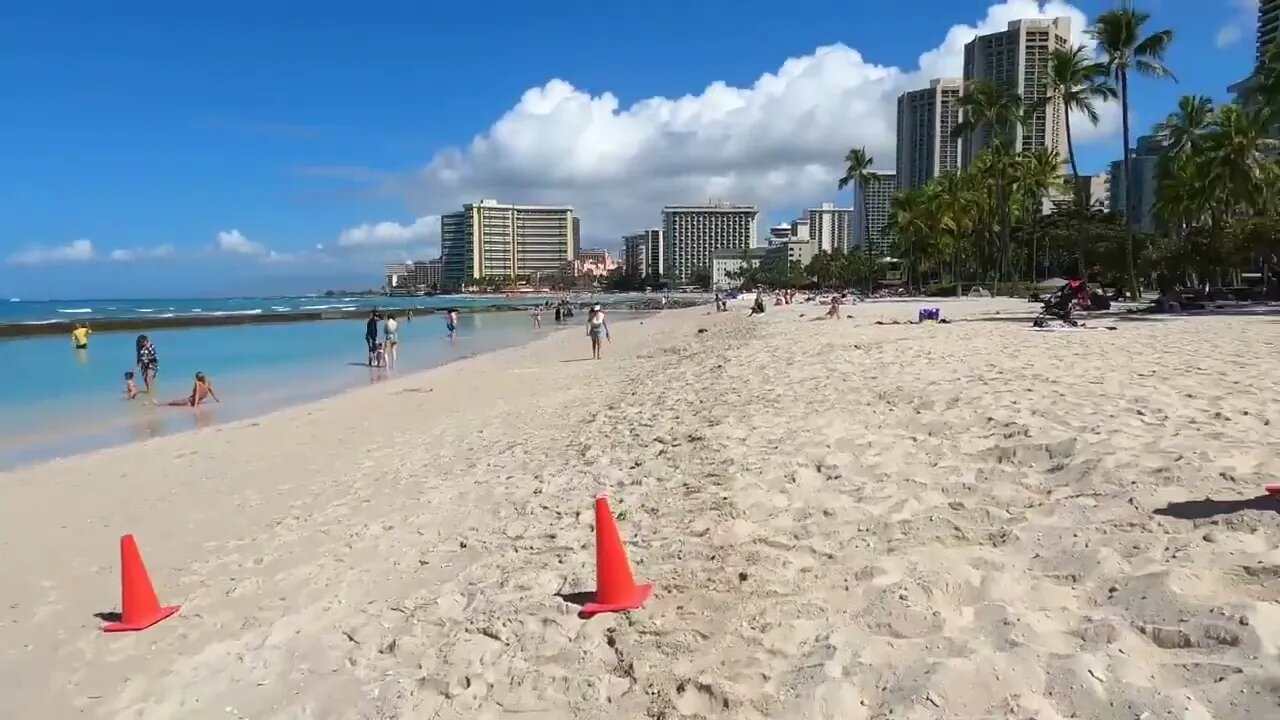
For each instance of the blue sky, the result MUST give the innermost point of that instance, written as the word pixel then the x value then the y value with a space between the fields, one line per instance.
pixel 237 147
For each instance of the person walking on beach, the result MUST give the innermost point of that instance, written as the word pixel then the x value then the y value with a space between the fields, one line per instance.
pixel 597 330
pixel 371 333
pixel 148 361
pixel 391 339
pixel 80 336
pixel 202 390
pixel 537 318
pixel 451 322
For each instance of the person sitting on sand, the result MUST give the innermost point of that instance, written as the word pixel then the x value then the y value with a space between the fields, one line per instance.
pixel 130 387
pixel 757 307
pixel 834 311
pixel 80 336
pixel 202 390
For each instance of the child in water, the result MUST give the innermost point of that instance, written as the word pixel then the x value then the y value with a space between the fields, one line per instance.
pixel 202 390
pixel 130 388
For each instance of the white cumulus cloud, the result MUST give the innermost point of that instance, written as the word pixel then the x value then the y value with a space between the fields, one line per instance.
pixel 778 143
pixel 141 253
pixel 1244 15
pixel 77 251
pixel 235 243
pixel 424 230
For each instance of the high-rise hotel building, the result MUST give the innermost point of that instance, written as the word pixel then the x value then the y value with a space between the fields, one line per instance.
pixel 1017 60
pixel 1268 26
pixel 873 214
pixel 492 239
pixel 927 145
pixel 642 253
pixel 692 232
pixel 831 227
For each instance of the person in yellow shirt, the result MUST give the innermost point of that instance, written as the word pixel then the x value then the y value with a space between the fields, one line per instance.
pixel 80 336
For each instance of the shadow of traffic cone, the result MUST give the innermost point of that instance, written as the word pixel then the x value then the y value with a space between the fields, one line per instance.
pixel 616 589
pixel 140 608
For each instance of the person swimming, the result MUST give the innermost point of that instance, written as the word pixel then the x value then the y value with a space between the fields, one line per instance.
pixel 200 391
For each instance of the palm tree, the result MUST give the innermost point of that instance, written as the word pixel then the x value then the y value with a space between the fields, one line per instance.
pixel 955 208
pixel 1183 129
pixel 1036 174
pixel 907 223
pixel 857 172
pixel 995 113
pixel 1119 34
pixel 1078 82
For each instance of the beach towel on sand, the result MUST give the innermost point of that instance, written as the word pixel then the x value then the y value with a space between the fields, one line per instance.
pixel 1066 328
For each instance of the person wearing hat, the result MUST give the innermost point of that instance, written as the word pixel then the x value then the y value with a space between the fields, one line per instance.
pixel 597 330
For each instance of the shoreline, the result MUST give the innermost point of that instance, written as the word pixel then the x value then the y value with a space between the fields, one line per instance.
pixel 16 330
pixel 841 520
pixel 143 423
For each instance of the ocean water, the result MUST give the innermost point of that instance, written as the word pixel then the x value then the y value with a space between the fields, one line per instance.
pixel 48 311
pixel 57 400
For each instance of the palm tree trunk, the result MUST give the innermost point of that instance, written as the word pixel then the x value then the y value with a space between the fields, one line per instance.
pixel 1134 292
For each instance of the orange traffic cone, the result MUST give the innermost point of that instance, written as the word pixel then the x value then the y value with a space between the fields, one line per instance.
pixel 140 607
pixel 616 590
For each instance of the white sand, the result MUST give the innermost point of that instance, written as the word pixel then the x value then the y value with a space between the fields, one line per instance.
pixel 843 520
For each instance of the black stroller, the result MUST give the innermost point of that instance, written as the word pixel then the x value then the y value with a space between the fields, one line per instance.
pixel 1062 303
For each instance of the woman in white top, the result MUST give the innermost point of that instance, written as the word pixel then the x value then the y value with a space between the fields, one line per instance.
pixel 597 330
pixel 390 336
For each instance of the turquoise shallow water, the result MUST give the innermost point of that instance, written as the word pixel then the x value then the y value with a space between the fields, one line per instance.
pixel 57 400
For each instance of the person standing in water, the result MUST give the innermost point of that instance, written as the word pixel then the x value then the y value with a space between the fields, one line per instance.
pixel 451 322
pixel 597 330
pixel 148 362
pixel 80 336
pixel 371 333
pixel 391 339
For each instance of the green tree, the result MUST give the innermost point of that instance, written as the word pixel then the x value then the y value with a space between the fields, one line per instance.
pixel 857 172
pixel 993 114
pixel 1120 36
pixel 1079 83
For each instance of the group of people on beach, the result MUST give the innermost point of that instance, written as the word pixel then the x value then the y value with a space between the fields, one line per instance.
pixel 147 361
pixel 147 364
pixel 383 351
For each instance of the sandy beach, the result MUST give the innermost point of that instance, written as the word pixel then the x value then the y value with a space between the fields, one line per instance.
pixel 843 520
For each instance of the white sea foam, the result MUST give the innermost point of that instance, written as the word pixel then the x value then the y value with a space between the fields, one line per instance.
pixel 75 310
pixel 280 308
pixel 322 307
pixel 39 322
pixel 238 312
pixel 144 309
